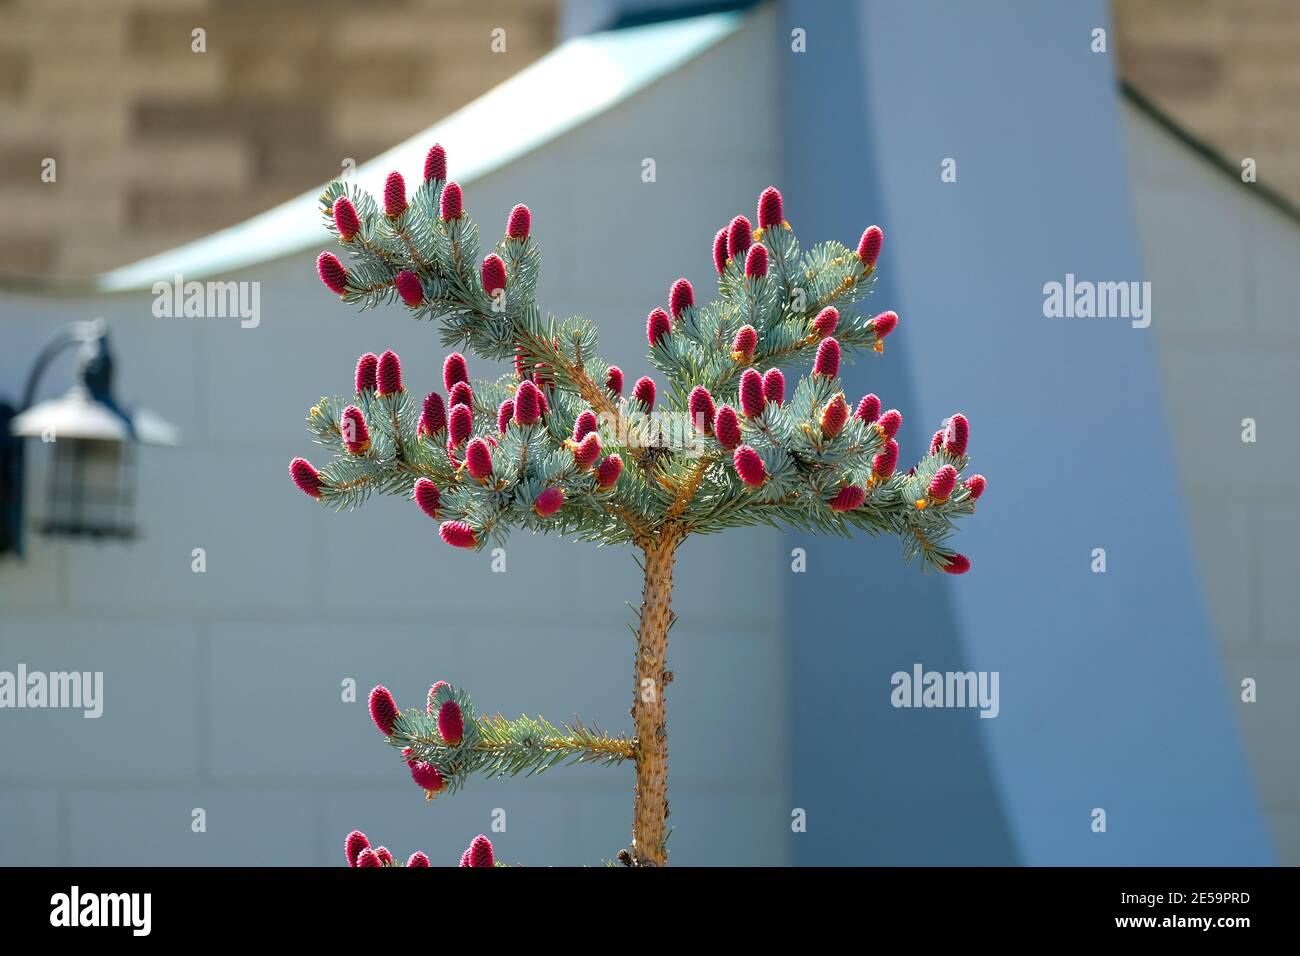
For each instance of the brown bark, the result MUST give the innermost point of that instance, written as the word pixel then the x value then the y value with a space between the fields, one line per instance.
pixel 651 808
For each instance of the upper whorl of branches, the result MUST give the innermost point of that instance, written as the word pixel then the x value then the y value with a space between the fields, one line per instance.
pixel 718 443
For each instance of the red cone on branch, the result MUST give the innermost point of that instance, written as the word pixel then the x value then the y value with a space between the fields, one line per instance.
pixel 608 470
pixel 751 393
pixel 367 368
pixel 504 414
pixel 834 416
pixel 385 856
pixel 936 441
pixel 869 245
pixel 975 485
pixel 743 345
pixel 614 381
pixel 680 297
pixel 451 723
pixel 332 273
pixel 356 435
pixel 520 223
pixel 460 426
pixel 943 483
pixel 720 251
pixel 957 435
pixel 749 466
pixel 884 323
pixel 433 416
pixel 427 777
pixel 353 845
pixel 868 409
pixel 454 369
pixel 740 236
pixel 828 358
pixel 458 534
pixel 528 403
pixel 367 859
pixel 586 451
pixel 345 218
pixel 883 464
pixel 756 262
pixel 493 274
pixel 726 427
pixel 957 564
pixel 585 424
pixel 435 163
pixel 383 709
pixel 478 459
pixel 409 288
pixel 826 321
pixel 769 208
pixel 702 410
pixel 417 859
pixel 305 476
pixel 394 195
pixel 891 422
pixel 549 501
pixel 848 498
pixel 480 852
pixel 644 392
pixel 657 326
pixel 774 386
pixel 461 394
pixel 388 377
pixel 426 495
pixel 451 205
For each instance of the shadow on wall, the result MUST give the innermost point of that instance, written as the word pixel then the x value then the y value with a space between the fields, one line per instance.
pixel 880 785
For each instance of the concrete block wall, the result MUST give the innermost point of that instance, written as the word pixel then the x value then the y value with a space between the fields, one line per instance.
pixel 1226 297
pixel 222 689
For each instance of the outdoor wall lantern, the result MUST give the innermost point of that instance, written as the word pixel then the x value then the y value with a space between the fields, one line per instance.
pixel 91 486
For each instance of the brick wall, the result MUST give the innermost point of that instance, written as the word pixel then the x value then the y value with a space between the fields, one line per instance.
pixel 1227 70
pixel 156 144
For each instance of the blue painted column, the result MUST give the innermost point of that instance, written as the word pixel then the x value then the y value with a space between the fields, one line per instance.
pixel 1110 691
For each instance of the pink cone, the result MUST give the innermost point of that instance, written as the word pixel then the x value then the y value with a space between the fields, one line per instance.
pixel 426 496
pixel 332 273
pixel 394 195
pixel 608 470
pixel 367 368
pixel 726 427
pixel 454 369
pixel 409 288
pixel 305 476
pixel 751 393
pixel 774 386
pixel 749 466
pixel 433 416
pixel 383 709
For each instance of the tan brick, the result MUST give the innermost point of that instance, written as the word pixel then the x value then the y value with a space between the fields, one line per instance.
pixel 224 165
pixel 30 254
pixel 157 145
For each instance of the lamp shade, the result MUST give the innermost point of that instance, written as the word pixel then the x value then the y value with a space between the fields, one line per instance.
pixel 80 415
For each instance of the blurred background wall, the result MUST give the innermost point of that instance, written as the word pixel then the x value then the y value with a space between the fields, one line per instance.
pixel 158 145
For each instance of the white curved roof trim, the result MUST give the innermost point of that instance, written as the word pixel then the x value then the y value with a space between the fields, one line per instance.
pixel 572 84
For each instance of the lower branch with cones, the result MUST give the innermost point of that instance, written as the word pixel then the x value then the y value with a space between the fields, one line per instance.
pixel 543 449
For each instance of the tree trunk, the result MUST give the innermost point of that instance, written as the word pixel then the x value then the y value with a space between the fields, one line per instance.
pixel 651 809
